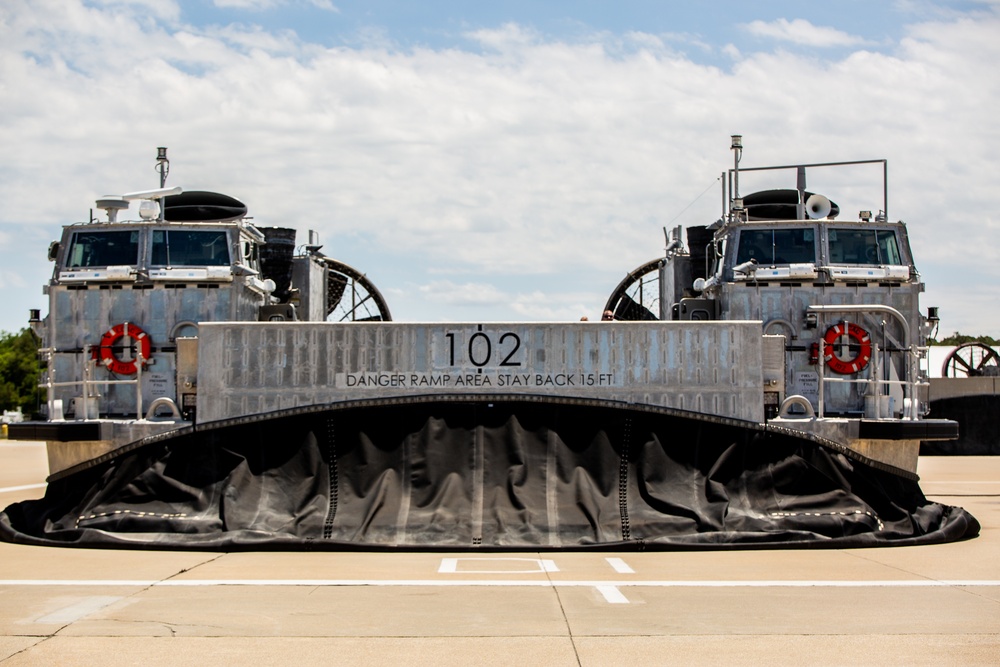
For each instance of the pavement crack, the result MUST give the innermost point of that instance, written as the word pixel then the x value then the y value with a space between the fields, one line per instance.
pixel 41 641
pixel 893 567
pixel 191 569
pixel 957 586
pixel 562 610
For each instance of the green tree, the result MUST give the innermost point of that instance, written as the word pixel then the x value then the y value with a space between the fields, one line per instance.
pixel 19 371
pixel 958 339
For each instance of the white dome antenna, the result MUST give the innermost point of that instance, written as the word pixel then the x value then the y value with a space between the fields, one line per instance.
pixel 111 204
pixel 149 209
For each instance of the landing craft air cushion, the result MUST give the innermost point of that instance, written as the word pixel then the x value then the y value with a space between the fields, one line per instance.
pixel 766 392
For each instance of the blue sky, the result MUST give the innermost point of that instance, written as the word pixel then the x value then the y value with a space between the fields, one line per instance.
pixel 440 25
pixel 702 31
pixel 500 161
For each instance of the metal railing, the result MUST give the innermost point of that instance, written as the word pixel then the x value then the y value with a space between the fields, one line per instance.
pixel 88 383
pixel 909 384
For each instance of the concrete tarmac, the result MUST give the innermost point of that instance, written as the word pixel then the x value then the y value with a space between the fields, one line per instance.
pixel 933 605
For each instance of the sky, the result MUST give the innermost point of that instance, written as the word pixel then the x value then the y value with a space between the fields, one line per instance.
pixel 503 161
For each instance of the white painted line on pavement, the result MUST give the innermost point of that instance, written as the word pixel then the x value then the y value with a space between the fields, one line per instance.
pixel 957 481
pixel 569 583
pixel 612 594
pixel 620 566
pixel 131 583
pixel 450 565
pixel 25 487
pixel 75 612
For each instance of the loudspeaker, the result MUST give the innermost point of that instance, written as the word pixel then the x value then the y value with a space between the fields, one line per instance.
pixel 818 206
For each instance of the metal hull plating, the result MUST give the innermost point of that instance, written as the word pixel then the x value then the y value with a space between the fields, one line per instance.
pixel 251 368
pixel 164 311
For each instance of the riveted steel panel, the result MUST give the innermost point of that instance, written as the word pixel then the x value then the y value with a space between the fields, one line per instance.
pixel 708 367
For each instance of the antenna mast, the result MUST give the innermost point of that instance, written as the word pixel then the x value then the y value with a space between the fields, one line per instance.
pixel 163 165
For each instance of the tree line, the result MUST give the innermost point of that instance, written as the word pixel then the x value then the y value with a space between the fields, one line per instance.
pixel 19 371
pixel 960 339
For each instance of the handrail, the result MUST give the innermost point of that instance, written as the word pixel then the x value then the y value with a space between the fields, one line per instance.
pixel 909 384
pixel 161 401
pixel 87 382
pixel 866 308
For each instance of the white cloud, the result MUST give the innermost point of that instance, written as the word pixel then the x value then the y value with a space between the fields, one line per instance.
pixel 324 4
pixel 162 9
pixel 467 294
pixel 520 182
pixel 260 5
pixel 247 4
pixel 800 31
pixel 507 36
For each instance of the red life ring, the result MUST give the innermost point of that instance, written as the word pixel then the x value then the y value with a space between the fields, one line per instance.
pixel 107 355
pixel 861 340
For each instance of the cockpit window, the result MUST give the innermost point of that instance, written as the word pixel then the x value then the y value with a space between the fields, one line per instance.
pixel 777 246
pixel 864 246
pixel 112 248
pixel 186 247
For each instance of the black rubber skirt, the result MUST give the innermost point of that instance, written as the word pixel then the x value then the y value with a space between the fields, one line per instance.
pixel 486 473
